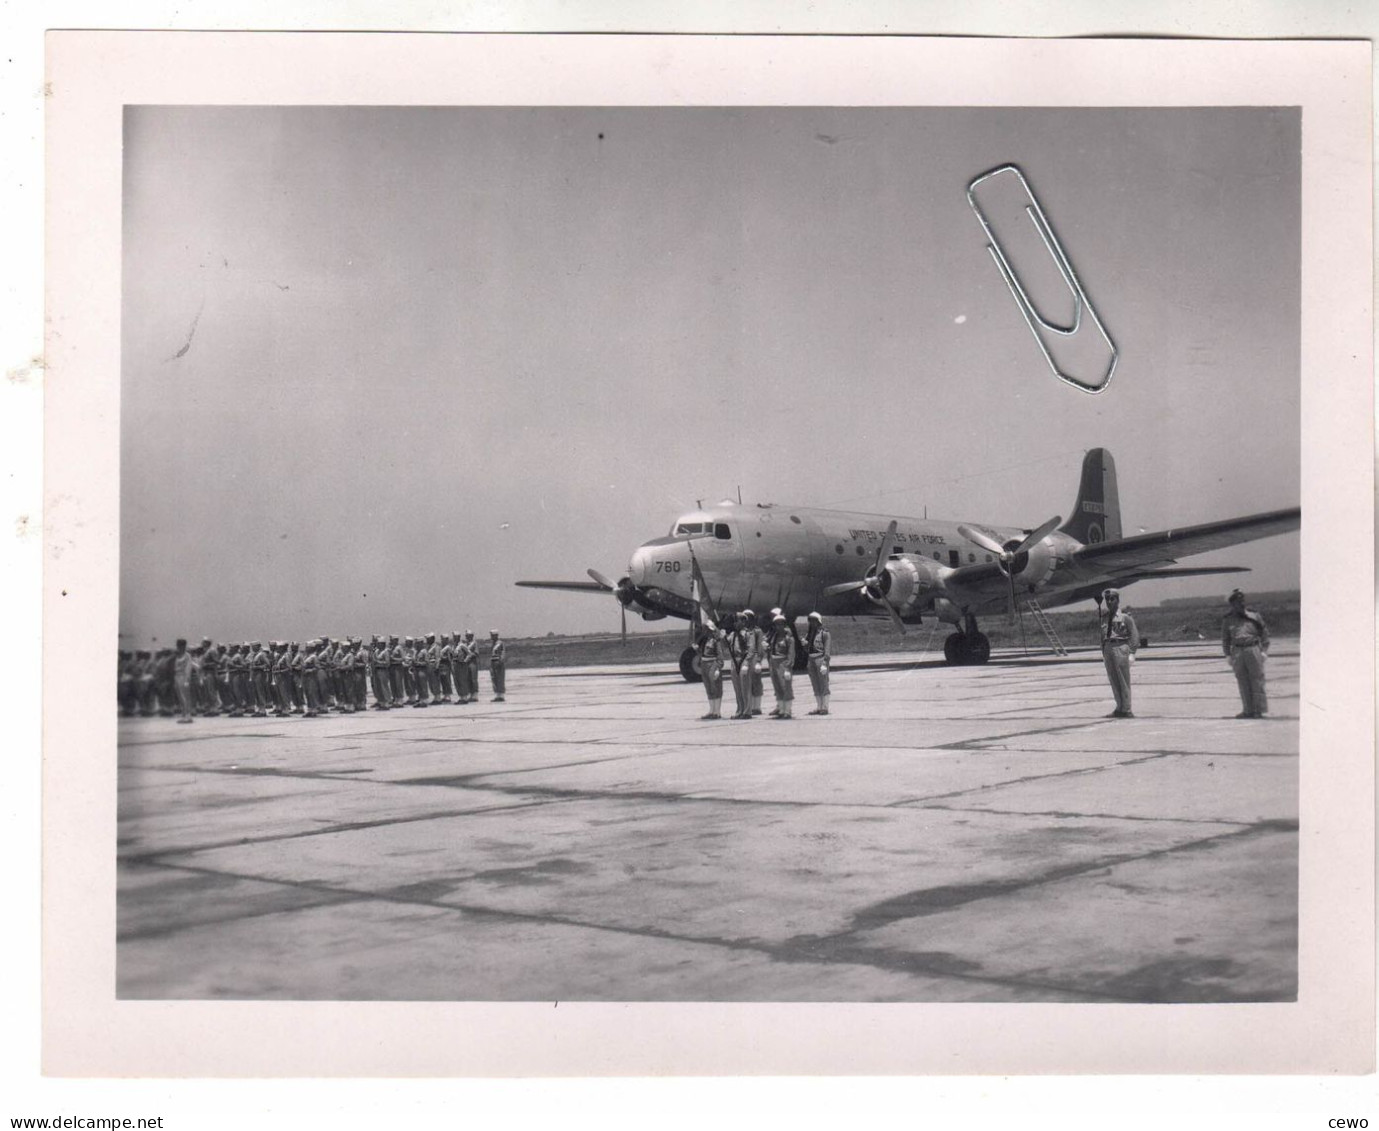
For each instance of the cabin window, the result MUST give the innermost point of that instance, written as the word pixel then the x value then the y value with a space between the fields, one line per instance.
pixel 971 557
pixel 795 519
pixel 721 530
pixel 839 547
pixel 860 551
pixel 936 556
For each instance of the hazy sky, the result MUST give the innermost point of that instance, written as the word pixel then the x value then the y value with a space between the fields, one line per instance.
pixel 380 363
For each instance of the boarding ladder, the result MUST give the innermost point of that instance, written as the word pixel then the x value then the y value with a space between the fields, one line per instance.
pixel 1041 618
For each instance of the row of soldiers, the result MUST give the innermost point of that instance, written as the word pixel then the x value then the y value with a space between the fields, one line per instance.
pixel 308 679
pixel 739 647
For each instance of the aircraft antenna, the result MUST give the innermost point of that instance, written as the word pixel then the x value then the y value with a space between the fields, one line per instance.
pixel 739 494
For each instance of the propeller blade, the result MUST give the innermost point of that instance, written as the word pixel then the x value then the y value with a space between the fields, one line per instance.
pixel 1037 536
pixel 845 587
pixel 600 579
pixel 982 540
pixel 1013 611
pixel 623 610
pixel 895 617
pixel 885 551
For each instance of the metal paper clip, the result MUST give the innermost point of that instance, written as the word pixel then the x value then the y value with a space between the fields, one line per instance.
pixel 1032 317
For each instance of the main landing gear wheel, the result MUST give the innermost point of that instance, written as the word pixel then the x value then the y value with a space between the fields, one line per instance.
pixel 689 665
pixel 978 649
pixel 963 648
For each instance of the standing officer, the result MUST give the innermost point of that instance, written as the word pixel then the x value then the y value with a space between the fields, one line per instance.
pixel 497 665
pixel 395 665
pixel 471 647
pixel 409 660
pixel 325 672
pixel 282 676
pixel 1245 642
pixel 238 664
pixel 447 663
pixel 163 678
pixel 753 653
pixel 711 668
pixel 820 649
pixel 417 666
pixel 732 644
pixel 1120 640
pixel 344 677
pixel 461 672
pixel 182 664
pixel 295 680
pixel 361 675
pixel 260 668
pixel 433 667
pixel 311 682
pixel 382 677
pixel 772 631
pixel 782 655
pixel 210 676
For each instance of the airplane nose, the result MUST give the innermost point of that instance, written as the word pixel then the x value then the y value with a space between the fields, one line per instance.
pixel 639 568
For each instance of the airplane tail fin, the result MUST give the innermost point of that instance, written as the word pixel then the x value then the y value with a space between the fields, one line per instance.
pixel 1096 514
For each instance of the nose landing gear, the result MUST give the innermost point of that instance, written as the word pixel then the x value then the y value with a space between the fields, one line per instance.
pixel 967 645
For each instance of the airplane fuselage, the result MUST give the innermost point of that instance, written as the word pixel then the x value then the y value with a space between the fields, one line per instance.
pixel 772 556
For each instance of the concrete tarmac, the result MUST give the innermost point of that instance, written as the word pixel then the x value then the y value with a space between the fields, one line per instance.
pixel 944 834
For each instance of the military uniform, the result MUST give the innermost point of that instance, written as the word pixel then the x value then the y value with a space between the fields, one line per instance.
pixel 382 675
pixel 733 643
pixel 296 680
pixel 820 648
pixel 282 681
pixel 311 678
pixel 395 668
pixel 1245 642
pixel 432 653
pixel 210 678
pixel 498 666
pixel 1120 640
pixel 782 658
pixel 753 653
pixel 446 666
pixel 711 669
pixel 182 665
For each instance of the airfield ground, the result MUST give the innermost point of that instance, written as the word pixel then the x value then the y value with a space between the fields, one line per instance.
pixel 945 834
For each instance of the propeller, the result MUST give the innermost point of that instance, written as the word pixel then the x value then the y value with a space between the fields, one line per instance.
pixel 622 591
pixel 877 582
pixel 1007 557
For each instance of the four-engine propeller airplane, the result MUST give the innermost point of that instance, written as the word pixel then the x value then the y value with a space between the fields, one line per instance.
pixel 847 563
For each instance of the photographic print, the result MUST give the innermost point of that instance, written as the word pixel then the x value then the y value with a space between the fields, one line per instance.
pixel 730 553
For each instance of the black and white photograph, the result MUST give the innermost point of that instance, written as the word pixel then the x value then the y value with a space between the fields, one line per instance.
pixel 846 553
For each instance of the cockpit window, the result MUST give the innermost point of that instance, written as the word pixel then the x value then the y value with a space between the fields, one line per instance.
pixel 690 528
pixel 721 530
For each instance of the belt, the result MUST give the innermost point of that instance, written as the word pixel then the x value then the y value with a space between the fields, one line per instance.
pixel 1250 644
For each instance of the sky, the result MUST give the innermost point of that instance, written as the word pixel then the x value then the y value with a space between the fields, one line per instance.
pixel 380 363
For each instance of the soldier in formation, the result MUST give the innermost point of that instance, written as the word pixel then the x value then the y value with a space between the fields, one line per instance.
pixel 307 679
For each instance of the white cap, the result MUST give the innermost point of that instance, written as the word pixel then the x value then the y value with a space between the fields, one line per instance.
pixel 817 617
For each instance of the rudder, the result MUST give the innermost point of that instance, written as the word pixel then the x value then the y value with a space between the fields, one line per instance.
pixel 1096 514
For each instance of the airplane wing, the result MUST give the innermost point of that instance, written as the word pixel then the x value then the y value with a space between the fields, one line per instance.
pixel 571 586
pixel 1146 551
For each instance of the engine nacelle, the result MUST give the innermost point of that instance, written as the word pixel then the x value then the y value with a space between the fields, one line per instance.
pixel 911 583
pixel 1033 566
